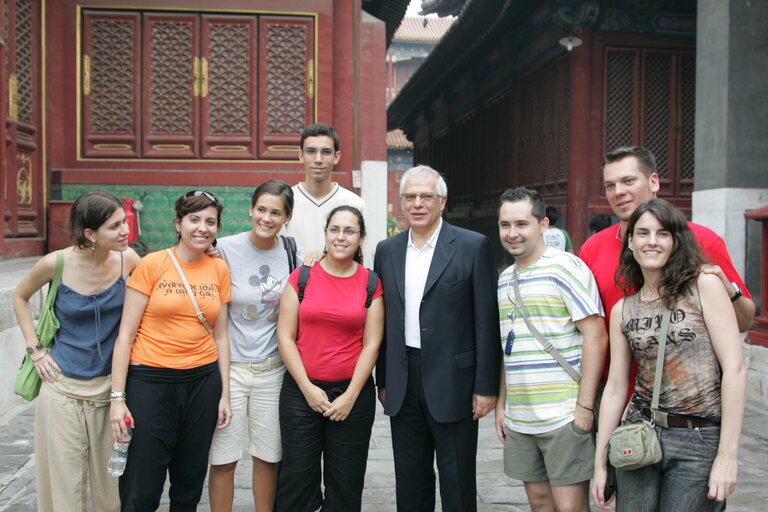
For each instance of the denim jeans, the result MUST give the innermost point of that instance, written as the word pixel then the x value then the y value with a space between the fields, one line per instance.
pixel 679 482
pixel 343 445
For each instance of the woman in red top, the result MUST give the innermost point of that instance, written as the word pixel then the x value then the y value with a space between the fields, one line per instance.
pixel 329 342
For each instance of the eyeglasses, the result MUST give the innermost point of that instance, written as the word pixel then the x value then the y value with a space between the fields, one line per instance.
pixel 348 232
pixel 425 198
pixel 195 193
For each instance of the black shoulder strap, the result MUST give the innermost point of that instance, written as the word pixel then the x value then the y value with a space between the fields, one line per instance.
pixel 371 287
pixel 290 248
pixel 303 279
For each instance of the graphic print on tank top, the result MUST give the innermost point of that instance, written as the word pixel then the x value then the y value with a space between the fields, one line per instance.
pixel 691 376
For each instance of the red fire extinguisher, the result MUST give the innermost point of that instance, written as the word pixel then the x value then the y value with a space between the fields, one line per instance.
pixel 132 209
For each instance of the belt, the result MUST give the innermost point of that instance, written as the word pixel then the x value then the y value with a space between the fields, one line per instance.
pixel 676 421
pixel 267 364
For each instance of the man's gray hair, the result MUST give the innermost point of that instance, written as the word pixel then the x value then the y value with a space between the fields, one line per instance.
pixel 423 171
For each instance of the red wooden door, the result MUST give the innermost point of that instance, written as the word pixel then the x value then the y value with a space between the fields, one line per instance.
pixel 170 109
pixel 110 84
pixel 228 86
pixel 194 85
pixel 286 83
pixel 23 176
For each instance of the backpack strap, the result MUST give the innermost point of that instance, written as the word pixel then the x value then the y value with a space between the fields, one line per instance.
pixel 371 287
pixel 303 279
pixel 290 248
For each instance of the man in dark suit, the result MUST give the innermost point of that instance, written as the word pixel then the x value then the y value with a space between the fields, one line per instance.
pixel 438 368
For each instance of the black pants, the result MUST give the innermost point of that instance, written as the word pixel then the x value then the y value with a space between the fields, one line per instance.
pixel 343 445
pixel 175 418
pixel 416 438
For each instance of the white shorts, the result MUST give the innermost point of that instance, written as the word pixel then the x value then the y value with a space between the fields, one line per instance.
pixel 255 400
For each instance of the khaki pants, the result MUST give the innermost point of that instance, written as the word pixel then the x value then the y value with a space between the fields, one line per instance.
pixel 73 442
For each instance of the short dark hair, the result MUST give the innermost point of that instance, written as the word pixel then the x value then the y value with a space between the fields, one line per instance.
pixel 685 259
pixel 553 214
pixel 275 188
pixel 89 211
pixel 599 222
pixel 196 200
pixel 515 195
pixel 645 159
pixel 318 130
pixel 360 222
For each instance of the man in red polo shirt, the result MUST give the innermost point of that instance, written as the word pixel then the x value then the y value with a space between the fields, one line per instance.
pixel 630 179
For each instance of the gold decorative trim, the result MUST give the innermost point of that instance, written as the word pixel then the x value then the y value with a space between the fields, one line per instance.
pixel 311 78
pixel 112 147
pixel 24 136
pixel 24 179
pixel 86 75
pixel 196 76
pixel 283 148
pixel 204 77
pixel 228 149
pixel 170 147
pixel 13 98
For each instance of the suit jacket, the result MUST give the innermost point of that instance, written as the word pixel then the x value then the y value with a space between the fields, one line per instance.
pixel 460 347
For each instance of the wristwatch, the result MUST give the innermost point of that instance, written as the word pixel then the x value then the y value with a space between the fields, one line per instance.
pixel 738 293
pixel 37 347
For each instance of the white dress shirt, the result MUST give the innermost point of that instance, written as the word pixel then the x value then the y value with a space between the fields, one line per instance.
pixel 417 263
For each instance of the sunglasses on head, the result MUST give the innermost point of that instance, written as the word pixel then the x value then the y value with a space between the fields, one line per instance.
pixel 195 193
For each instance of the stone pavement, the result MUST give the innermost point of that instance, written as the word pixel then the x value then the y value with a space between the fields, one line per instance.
pixel 495 491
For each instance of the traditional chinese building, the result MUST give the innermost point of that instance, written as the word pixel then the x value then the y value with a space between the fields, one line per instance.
pixel 533 92
pixel 156 98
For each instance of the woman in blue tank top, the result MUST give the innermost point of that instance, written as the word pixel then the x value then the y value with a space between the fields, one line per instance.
pixel 72 433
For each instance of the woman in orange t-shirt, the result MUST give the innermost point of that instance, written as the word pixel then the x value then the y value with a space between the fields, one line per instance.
pixel 170 371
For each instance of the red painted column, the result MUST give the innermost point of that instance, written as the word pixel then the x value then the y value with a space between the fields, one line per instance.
pixel 346 76
pixel 579 139
pixel 372 114
pixel 759 336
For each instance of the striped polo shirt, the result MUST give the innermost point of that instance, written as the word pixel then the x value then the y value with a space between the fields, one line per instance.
pixel 557 291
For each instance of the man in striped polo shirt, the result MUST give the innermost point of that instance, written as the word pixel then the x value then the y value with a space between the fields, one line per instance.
pixel 544 413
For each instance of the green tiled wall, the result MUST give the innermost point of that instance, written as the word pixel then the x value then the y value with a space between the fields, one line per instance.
pixel 157 229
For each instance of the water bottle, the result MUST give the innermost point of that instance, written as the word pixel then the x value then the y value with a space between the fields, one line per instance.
pixel 116 464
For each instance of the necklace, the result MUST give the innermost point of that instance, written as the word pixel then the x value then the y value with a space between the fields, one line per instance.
pixel 618 232
pixel 645 299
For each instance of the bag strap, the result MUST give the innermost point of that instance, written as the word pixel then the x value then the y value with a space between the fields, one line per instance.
pixel 290 248
pixel 545 344
pixel 303 279
pixel 660 358
pixel 54 286
pixel 373 280
pixel 191 295
pixel 370 287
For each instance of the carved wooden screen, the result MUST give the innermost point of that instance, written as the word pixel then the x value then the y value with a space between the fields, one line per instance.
pixel 286 83
pixel 110 84
pixel 195 85
pixel 650 101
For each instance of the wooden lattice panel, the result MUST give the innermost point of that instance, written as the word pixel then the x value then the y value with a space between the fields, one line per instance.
pixel 170 88
pixel 25 58
pixel 688 115
pixel 619 102
pixel 286 78
pixel 113 76
pixel 656 125
pixel 230 80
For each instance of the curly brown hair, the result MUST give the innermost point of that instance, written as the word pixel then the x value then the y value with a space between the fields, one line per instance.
pixel 685 258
